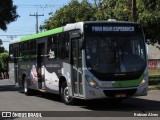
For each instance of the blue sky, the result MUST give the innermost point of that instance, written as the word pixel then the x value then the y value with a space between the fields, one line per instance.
pixel 26 24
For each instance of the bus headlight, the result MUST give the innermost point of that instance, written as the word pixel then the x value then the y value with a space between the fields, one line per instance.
pixel 91 81
pixel 144 81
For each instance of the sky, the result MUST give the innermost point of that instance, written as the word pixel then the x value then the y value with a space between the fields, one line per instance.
pixel 26 24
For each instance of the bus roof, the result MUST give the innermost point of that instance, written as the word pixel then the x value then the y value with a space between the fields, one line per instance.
pixel 105 21
pixel 14 41
pixel 68 27
pixel 43 34
pixel 39 35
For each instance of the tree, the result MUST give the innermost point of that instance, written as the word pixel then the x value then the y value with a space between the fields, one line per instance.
pixel 2 49
pixel 149 17
pixel 73 12
pixel 148 14
pixel 114 9
pixel 7 12
pixel 4 58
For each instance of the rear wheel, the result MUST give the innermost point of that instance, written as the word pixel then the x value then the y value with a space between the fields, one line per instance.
pixel 65 95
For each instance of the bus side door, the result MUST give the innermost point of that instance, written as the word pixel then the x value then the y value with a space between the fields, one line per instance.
pixel 41 53
pixel 76 70
pixel 13 65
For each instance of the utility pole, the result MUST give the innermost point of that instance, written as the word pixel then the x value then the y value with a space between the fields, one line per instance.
pixel 134 11
pixel 36 15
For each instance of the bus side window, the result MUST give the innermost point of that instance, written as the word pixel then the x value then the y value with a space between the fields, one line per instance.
pixel 24 51
pixel 32 50
pixel 63 48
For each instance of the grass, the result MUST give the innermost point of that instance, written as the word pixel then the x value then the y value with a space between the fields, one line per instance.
pixel 155 86
pixel 154 80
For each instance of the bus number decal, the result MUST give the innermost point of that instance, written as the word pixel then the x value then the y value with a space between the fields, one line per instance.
pixel 51 54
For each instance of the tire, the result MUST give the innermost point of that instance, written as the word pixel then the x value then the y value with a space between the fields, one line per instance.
pixel 26 90
pixel 65 96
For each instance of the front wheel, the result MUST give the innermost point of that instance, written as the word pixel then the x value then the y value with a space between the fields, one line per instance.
pixel 65 95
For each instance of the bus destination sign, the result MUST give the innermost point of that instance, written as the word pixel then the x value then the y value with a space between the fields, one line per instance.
pixel 112 29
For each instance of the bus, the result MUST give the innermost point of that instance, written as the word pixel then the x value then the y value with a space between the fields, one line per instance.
pixel 83 60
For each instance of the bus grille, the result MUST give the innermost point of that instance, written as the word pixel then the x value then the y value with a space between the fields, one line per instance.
pixel 113 93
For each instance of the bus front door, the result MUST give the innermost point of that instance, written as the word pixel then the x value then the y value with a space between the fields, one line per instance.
pixel 40 65
pixel 76 69
pixel 17 81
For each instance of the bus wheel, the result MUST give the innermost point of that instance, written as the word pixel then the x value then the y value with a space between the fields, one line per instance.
pixel 27 91
pixel 65 95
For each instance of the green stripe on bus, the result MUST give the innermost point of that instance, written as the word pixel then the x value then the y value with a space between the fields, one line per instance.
pixel 128 83
pixel 43 34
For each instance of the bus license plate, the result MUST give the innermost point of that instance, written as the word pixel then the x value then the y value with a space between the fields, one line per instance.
pixel 107 84
pixel 120 95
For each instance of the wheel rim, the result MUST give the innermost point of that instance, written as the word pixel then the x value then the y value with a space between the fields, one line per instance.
pixel 66 94
pixel 25 87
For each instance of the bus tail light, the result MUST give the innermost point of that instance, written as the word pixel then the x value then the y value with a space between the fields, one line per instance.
pixel 91 81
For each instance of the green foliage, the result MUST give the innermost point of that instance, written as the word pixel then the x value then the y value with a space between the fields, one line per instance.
pixel 4 57
pixel 7 12
pixel 2 49
pixel 122 10
pixel 116 9
pixel 149 17
pixel 73 12
pixel 148 14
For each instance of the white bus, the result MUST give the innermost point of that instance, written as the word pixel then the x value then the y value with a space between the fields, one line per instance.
pixel 85 60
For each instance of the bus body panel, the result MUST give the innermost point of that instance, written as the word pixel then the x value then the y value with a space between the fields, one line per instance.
pixel 52 75
pixel 26 69
pixel 66 72
pixel 83 79
pixel 135 89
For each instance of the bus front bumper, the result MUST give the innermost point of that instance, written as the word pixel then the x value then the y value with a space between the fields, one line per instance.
pixel 97 93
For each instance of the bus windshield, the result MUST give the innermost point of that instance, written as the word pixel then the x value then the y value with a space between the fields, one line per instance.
pixel 115 54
